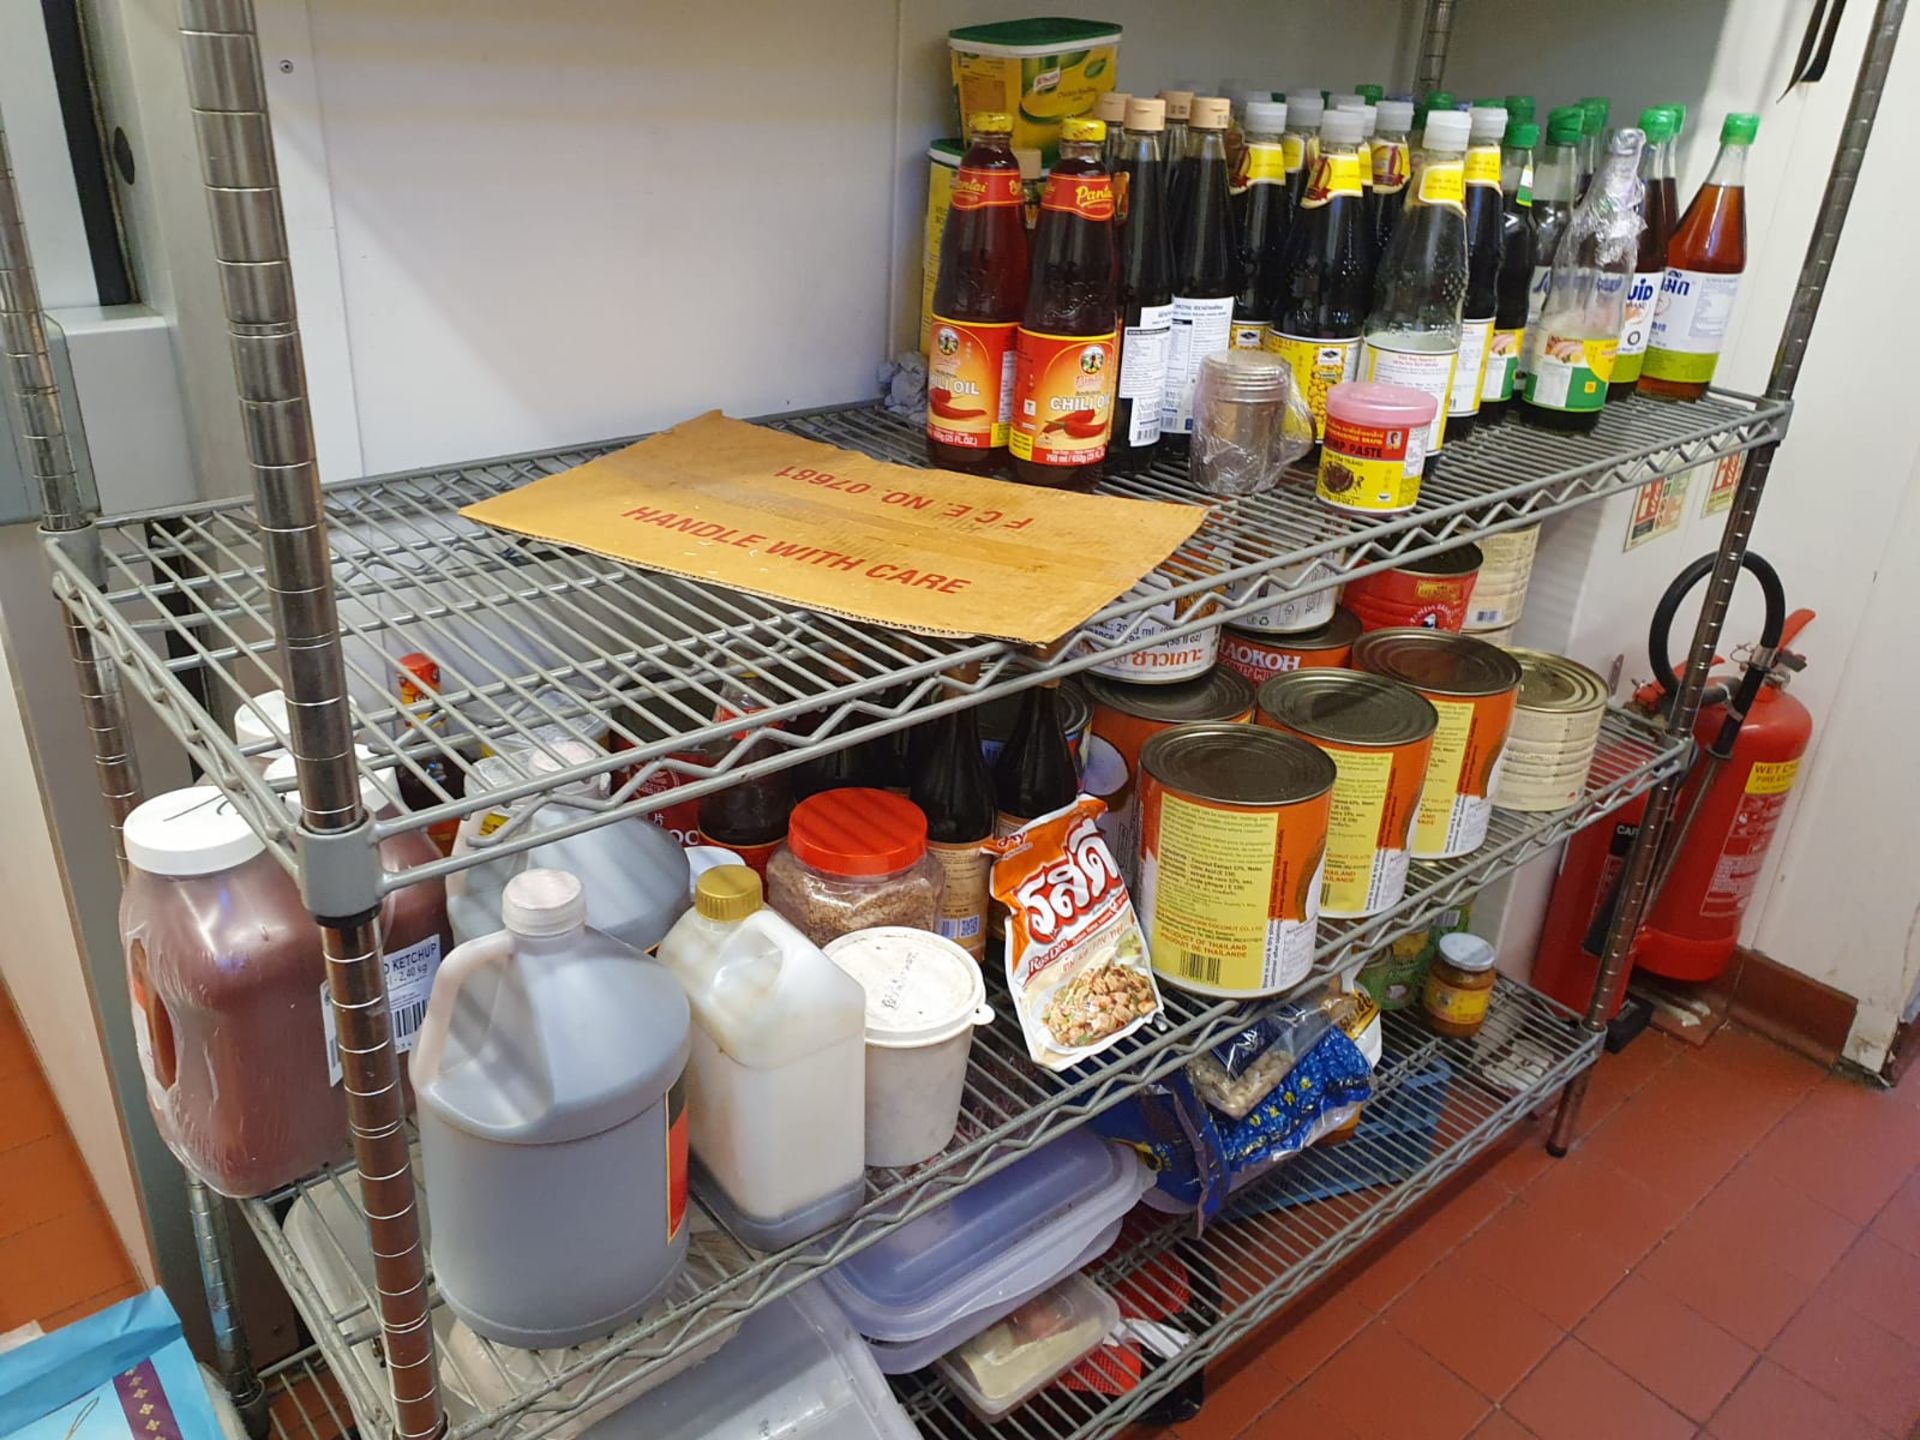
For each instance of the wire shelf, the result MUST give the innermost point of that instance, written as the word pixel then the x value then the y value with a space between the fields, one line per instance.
pixel 1438 1103
pixel 1009 1107
pixel 538 643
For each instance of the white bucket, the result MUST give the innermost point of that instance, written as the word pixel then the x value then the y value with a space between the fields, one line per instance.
pixel 925 994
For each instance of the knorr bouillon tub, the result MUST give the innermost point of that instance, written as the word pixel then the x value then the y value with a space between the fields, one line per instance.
pixel 1041 70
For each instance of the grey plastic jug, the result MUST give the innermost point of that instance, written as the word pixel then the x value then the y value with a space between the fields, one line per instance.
pixel 552 1122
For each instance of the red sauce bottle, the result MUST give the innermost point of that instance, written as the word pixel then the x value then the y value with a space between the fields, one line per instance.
pixel 1705 259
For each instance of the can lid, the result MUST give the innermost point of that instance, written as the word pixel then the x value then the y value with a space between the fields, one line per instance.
pixel 1268 117
pixel 1230 764
pixel 1487 123
pixel 1465 951
pixel 540 904
pixel 1220 694
pixel 727 892
pixel 1083 129
pixel 992 122
pixel 1396 115
pixel 1437 662
pixel 1556 684
pixel 1211 112
pixel 262 719
pixel 194 831
pixel 1145 113
pixel 1343 127
pixel 1347 707
pixel 921 988
pixel 857 832
pixel 1111 106
pixel 1447 130
pixel 1367 403
pixel 1179 103
pixel 1305 109
pixel 1739 128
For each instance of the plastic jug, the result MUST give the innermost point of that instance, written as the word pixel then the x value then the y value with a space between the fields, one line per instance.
pixel 777 1082
pixel 552 1123
pixel 634 872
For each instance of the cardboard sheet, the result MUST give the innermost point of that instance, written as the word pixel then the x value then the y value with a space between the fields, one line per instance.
pixel 828 529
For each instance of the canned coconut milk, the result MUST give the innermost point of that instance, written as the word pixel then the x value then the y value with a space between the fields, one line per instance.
pixel 1177 657
pixel 1379 735
pixel 1499 592
pixel 1472 687
pixel 1556 726
pixel 1293 611
pixel 1259 657
pixel 1233 838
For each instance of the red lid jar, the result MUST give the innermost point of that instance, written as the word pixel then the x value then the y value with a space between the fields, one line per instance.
pixel 854 859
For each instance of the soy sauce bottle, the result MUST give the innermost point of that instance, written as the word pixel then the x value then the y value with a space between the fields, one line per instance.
pixel 1034 772
pixel 1206 268
pixel 1067 346
pixel 1515 277
pixel 749 817
pixel 978 298
pixel 1392 168
pixel 1146 290
pixel 1487 123
pixel 1263 209
pixel 954 788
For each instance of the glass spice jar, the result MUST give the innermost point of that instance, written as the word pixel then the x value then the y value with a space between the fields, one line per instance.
pixel 1459 985
pixel 854 859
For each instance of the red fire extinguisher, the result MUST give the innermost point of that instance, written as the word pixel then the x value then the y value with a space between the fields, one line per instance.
pixel 1751 735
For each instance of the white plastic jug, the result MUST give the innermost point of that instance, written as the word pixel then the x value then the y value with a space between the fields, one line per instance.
pixel 552 1123
pixel 777 1082
pixel 634 872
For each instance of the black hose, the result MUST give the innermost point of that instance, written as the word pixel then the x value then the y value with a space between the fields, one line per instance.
pixel 1772 627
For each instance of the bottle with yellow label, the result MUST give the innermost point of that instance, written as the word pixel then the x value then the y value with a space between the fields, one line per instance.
pixel 1263 209
pixel 1515 278
pixel 1487 123
pixel 1305 110
pixel 1413 334
pixel 1392 167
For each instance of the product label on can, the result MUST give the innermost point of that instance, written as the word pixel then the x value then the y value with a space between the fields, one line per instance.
pixel 1202 326
pixel 964 871
pixel 1248 334
pixel 1463 770
pixel 969 382
pixel 1367 830
pixel 1690 322
pixel 1428 371
pixel 1063 398
pixel 1143 371
pixel 1165 661
pixel 1503 365
pixel 1371 467
pixel 1443 182
pixel 1470 373
pixel 1569 373
pixel 1392 165
pixel 1230 897
pixel 1318 366
pixel 1636 326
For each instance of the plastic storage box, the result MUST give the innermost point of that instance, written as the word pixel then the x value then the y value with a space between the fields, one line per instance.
pixel 1027 1350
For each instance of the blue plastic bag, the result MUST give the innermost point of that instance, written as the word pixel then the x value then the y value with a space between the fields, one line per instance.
pixel 123 1374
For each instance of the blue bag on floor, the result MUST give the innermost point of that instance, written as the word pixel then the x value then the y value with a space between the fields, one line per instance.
pixel 123 1374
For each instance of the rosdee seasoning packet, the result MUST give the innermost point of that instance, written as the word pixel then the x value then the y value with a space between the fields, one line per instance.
pixel 1076 957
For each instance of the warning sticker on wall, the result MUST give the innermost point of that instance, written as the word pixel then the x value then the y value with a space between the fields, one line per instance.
pixel 1726 479
pixel 1658 507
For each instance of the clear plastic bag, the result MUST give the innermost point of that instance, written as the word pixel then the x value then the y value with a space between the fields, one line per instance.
pixel 1249 423
pixel 1240 1072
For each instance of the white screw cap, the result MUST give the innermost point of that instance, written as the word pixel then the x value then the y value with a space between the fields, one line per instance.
pixel 542 903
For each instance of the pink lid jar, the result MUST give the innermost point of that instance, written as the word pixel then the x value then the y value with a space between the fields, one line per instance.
pixel 1375 447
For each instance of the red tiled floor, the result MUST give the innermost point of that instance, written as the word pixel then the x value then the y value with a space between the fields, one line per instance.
pixel 1899 1223
pixel 1384 1387
pixel 1294 1418
pixel 1502 1426
pixel 1577 1395
pixel 1305 1344
pixel 1475 1327
pixel 1559 1272
pixel 1850 1359
pixel 1881 1282
pixel 1671 1349
pixel 1774 1404
pixel 1850 1149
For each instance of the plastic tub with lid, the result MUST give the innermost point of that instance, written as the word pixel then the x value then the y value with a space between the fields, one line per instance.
pixel 1022 1354
pixel 776 1084
pixel 855 859
pixel 924 996
pixel 261 728
pixel 227 982
pixel 993 1243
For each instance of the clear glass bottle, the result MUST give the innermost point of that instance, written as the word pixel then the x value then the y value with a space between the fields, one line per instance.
pixel 1263 209
pixel 1146 290
pixel 1515 278
pixel 1487 122
pixel 1555 176
pixel 1206 268
pixel 1413 334
pixel 1650 267
pixel 1579 330
pixel 1594 111
pixel 1705 260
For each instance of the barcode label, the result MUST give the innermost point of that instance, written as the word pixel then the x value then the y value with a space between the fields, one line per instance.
pixel 410 975
pixel 1204 968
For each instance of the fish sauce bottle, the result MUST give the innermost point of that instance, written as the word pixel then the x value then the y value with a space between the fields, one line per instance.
pixel 1066 347
pixel 1705 260
pixel 1305 110
pixel 1515 277
pixel 1173 146
pixel 1392 168
pixel 1263 206
pixel 1487 127
pixel 1594 110
pixel 1657 122
pixel 1555 177
pixel 954 789
pixel 1206 268
pixel 1146 289
pixel 978 298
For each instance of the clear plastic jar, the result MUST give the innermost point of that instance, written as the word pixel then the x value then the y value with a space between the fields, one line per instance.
pixel 855 859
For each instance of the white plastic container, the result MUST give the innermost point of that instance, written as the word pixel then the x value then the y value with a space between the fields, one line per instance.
pixel 1011 1361
pixel 776 1083
pixel 635 873
pixel 261 728
pixel 924 996
pixel 553 1123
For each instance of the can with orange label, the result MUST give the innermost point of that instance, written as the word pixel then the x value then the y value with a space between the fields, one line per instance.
pixel 1125 717
pixel 1260 657
pixel 1233 840
pixel 1473 687
pixel 1432 593
pixel 1379 735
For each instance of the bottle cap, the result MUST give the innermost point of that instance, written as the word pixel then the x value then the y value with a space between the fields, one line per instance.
pixel 857 832
pixel 1349 100
pixel 1679 117
pixel 1739 128
pixel 540 904
pixel 1566 125
pixel 1250 98
pixel 1267 117
pixel 1659 122
pixel 1522 135
pixel 195 831
pixel 1447 130
pixel 1370 93
pixel 1520 107
pixel 372 794
pixel 1147 115
pixel 1112 108
pixel 1083 130
pixel 1440 100
pixel 1304 109
pixel 1210 112
pixel 1343 127
pixel 990 122
pixel 262 719
pixel 1487 123
pixel 1369 120
pixel 1466 952
pixel 1396 115
pixel 727 892
pixel 1594 110
pixel 1179 103
pixel 1032 163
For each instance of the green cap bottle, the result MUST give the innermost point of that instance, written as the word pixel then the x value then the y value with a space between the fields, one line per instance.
pixel 1565 125
pixel 1659 122
pixel 1521 135
pixel 1739 128
pixel 1372 94
pixel 1440 100
pixel 1595 109
pixel 1520 107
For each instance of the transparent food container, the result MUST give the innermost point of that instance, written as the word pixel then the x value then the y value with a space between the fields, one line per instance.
pixel 855 859
pixel 1007 1363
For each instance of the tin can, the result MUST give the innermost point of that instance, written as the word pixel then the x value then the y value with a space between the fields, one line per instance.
pixel 1297 610
pixel 1125 717
pixel 1500 591
pixel 999 715
pixel 1432 593
pixel 1379 735
pixel 1259 657
pixel 1233 839
pixel 1473 687
pixel 1177 657
pixel 1556 726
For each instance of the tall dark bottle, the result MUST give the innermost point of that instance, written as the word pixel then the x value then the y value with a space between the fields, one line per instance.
pixel 1326 272
pixel 1650 265
pixel 1206 267
pixel 977 302
pixel 1146 289
pixel 1555 179
pixel 1034 773
pixel 1066 347
pixel 954 788
pixel 1392 155
pixel 1263 208
pixel 1305 110
pixel 1174 146
pixel 1487 127
pixel 1515 279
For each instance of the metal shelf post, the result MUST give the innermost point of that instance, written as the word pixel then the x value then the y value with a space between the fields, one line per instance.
pixel 1637 885
pixel 339 862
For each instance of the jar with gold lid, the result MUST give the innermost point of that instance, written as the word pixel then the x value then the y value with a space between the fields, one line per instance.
pixel 1459 985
